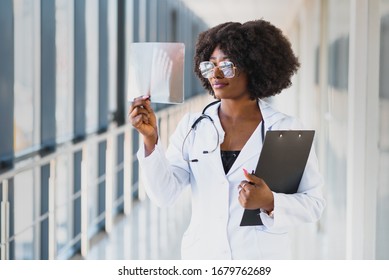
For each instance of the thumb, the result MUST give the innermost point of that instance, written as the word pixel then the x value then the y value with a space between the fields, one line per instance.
pixel 250 177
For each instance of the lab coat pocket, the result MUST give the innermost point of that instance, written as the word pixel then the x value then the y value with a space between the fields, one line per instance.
pixel 200 164
pixel 272 245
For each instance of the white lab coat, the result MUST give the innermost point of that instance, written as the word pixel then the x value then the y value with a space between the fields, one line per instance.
pixel 214 231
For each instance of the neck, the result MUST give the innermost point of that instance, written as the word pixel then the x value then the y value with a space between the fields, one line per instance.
pixel 238 110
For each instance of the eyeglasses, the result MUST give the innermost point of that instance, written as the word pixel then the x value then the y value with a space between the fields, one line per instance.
pixel 207 69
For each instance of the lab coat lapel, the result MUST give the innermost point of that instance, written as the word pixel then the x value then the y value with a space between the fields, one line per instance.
pixel 270 115
pixel 251 149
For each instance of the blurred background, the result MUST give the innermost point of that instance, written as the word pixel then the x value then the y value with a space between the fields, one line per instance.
pixel 69 177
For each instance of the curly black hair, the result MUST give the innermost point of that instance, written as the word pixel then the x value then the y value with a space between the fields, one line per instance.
pixel 257 48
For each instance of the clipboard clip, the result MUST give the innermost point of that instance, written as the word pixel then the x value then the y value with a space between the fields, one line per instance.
pixel 281 135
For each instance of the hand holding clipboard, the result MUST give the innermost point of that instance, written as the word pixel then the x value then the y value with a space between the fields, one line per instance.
pixel 281 164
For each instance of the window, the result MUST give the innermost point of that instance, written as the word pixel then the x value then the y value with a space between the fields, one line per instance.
pixel 92 64
pixel 336 118
pixel 382 247
pixel 27 87
pixel 26 216
pixel 64 70
pixel 112 53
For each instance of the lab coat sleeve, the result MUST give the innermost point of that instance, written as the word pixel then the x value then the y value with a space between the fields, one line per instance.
pixel 305 206
pixel 163 178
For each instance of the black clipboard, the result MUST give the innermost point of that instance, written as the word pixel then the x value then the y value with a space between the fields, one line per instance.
pixel 281 164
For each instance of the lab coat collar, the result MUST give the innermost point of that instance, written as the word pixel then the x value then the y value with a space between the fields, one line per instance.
pixel 269 114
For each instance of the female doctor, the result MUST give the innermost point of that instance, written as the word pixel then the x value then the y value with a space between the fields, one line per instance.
pixel 239 64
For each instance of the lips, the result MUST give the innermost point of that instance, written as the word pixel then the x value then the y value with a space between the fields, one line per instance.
pixel 218 85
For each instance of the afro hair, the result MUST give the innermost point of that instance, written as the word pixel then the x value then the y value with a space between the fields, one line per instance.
pixel 257 48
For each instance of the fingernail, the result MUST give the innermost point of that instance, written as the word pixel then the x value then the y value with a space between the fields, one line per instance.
pixel 245 172
pixel 145 97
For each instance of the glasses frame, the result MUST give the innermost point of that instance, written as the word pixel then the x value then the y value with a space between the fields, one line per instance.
pixel 209 73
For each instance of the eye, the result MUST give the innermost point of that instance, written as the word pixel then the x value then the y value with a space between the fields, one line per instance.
pixel 206 68
pixel 228 68
pixel 226 64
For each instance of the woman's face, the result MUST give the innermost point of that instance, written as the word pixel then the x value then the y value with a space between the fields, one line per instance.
pixel 227 88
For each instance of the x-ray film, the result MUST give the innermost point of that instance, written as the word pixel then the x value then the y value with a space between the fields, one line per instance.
pixel 157 69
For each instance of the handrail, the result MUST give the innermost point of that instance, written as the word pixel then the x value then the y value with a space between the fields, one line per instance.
pixel 64 149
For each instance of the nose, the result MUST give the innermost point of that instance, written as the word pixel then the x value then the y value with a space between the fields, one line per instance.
pixel 217 73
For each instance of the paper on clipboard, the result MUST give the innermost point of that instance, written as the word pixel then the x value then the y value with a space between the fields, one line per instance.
pixel 156 69
pixel 281 164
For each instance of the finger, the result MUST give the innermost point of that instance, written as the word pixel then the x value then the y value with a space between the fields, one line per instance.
pixel 135 118
pixel 137 121
pixel 139 102
pixel 134 106
pixel 245 193
pixel 136 110
pixel 252 178
pixel 246 185
pixel 241 185
pixel 147 105
pixel 243 201
pixel 142 98
pixel 244 190
pixel 139 111
pixel 140 118
pixel 145 119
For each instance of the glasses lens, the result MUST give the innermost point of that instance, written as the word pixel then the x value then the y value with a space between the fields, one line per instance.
pixel 228 69
pixel 207 68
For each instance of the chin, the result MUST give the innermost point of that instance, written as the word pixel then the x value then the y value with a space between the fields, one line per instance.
pixel 219 94
pixel 224 95
pixel 216 95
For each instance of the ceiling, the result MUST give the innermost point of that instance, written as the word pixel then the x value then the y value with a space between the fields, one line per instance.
pixel 279 12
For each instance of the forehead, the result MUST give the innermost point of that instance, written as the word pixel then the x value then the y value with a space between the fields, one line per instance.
pixel 218 55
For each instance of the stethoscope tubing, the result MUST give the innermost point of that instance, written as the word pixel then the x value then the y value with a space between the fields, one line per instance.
pixel 205 116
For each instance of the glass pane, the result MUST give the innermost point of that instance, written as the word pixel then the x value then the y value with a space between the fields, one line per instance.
pixel 24 245
pixel 92 65
pixel 382 247
pixel 64 76
pixel 337 122
pixel 26 46
pixel 64 209
pixel 112 49
pixel 24 201
pixel 1 209
pixel 119 188
pixel 93 195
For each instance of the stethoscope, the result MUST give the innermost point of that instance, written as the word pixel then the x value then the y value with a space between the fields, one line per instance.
pixel 207 117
